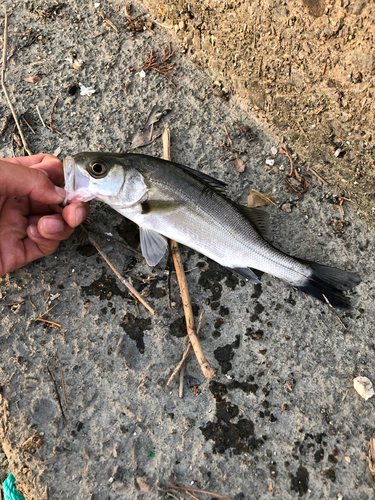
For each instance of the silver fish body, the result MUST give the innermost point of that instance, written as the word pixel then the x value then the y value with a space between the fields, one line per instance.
pixel 168 200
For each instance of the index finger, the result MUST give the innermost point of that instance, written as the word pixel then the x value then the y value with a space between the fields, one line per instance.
pixel 48 163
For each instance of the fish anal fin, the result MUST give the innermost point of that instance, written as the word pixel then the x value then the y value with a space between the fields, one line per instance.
pixel 248 274
pixel 258 218
pixel 153 246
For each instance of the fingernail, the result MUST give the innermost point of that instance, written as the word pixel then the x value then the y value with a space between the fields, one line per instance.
pixel 34 231
pixel 52 226
pixel 80 215
pixel 60 191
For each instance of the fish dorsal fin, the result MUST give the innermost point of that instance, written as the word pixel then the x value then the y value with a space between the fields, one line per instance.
pixel 258 218
pixel 219 186
pixel 153 246
pixel 247 273
pixel 134 189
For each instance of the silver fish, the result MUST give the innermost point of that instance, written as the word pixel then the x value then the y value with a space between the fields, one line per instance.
pixel 168 200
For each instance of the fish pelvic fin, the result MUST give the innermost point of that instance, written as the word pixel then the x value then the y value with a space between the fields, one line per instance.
pixel 153 246
pixel 330 282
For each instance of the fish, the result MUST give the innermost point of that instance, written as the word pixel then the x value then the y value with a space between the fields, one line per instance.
pixel 170 200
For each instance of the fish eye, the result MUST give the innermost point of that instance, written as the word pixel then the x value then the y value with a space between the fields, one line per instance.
pixel 97 169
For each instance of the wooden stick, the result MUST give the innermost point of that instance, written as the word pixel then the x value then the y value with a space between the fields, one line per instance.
pixel 40 116
pixel 167 144
pixel 181 389
pixel 3 70
pixel 318 176
pixel 207 370
pixel 335 313
pixel 123 280
pixel 52 323
pixel 57 394
pixel 63 387
pixel 197 491
pixel 186 353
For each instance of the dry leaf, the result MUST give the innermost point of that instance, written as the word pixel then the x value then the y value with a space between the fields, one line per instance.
pixel 142 484
pixel 78 65
pixel 239 164
pixel 257 199
pixel 364 387
pixel 35 441
pixel 31 79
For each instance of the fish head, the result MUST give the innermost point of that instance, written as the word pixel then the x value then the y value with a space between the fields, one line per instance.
pixel 91 176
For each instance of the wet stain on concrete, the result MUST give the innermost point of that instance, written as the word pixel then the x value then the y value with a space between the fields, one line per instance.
pixel 318 455
pixel 225 354
pixel 300 482
pixel 86 250
pixel 178 327
pixel 129 232
pixel 210 280
pixel 239 436
pixel 135 327
pixel 330 474
pixel 255 335
pixel 258 309
pixel 104 287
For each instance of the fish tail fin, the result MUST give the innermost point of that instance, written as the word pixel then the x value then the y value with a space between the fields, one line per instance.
pixel 331 283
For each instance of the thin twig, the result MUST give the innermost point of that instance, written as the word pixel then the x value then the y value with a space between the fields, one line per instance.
pixel 167 144
pixel 260 66
pixel 31 302
pixel 197 491
pixel 318 176
pixel 181 388
pixel 52 323
pixel 51 117
pixel 48 310
pixel 160 66
pixel 335 313
pixel 40 116
pixel 28 124
pixel 123 280
pixel 3 71
pixel 172 495
pixel 107 21
pixel 207 370
pixel 57 394
pixel 186 353
pixel 63 388
pixel 229 139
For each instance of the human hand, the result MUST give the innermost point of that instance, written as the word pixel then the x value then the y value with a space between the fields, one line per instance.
pixel 31 222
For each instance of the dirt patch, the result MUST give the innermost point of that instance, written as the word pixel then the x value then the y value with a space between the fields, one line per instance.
pixel 305 68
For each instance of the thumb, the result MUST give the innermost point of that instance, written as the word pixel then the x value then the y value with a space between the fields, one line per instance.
pixel 18 180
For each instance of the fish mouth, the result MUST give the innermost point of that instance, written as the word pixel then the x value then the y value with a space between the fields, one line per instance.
pixel 77 185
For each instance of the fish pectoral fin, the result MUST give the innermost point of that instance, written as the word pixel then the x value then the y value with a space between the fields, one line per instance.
pixel 247 273
pixel 258 218
pixel 153 246
pixel 159 206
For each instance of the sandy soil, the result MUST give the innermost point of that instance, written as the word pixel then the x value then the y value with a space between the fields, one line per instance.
pixel 281 419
